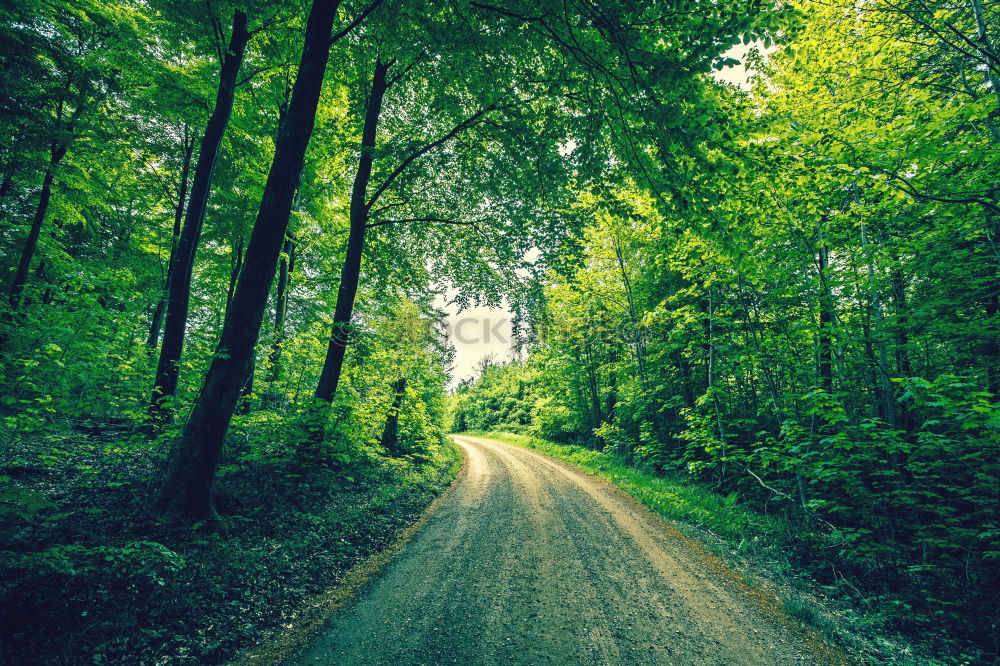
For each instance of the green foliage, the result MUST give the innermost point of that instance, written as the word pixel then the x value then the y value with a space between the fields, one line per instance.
pixel 788 293
pixel 145 559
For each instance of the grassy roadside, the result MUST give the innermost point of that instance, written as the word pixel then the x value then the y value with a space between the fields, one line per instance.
pixel 90 577
pixel 760 547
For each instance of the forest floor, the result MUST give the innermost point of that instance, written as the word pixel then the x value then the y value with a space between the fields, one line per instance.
pixel 528 560
pixel 88 574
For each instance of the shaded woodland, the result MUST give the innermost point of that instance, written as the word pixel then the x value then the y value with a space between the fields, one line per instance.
pixel 226 230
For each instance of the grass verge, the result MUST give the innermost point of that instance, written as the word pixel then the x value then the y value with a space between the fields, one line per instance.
pixel 741 529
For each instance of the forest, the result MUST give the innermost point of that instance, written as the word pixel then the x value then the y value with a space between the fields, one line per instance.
pixel 231 233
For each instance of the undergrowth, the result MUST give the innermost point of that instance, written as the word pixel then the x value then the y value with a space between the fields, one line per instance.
pixel 92 576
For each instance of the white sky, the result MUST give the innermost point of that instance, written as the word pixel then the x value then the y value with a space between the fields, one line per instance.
pixel 738 74
pixel 475 333
pixel 481 331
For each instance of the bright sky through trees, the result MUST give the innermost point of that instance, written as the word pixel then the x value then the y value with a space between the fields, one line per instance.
pixel 470 349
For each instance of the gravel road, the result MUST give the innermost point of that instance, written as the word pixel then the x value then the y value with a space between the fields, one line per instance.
pixel 529 561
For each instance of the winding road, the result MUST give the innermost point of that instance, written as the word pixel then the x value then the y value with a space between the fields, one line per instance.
pixel 529 561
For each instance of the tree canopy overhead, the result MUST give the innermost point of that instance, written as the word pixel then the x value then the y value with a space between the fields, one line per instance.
pixel 227 227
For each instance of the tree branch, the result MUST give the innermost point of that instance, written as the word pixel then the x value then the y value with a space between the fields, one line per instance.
pixel 439 220
pixel 912 191
pixel 416 61
pixel 423 150
pixel 260 70
pixel 357 21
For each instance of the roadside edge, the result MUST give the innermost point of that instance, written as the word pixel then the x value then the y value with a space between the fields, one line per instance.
pixel 276 647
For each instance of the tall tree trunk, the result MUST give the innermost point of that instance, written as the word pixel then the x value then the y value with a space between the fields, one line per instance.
pixel 156 319
pixel 187 488
pixel 236 267
pixel 825 365
pixel 390 434
pixel 246 390
pixel 888 397
pixel 156 322
pixel 581 399
pixel 56 153
pixel 595 392
pixel 182 256
pixel 350 273
pixel 243 403
pixel 285 268
pixel 638 344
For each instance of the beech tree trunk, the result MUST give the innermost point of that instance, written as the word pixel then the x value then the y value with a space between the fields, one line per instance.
pixel 825 366
pixel 156 322
pixel 56 154
pixel 183 253
pixel 236 260
pixel 350 273
pixel 390 434
pixel 638 345
pixel 187 488
pixel 285 269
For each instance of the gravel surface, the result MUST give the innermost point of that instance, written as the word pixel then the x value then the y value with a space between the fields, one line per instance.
pixel 530 561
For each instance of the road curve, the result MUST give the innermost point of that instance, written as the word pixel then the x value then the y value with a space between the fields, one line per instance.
pixel 528 561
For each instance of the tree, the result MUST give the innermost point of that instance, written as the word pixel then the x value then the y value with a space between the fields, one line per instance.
pixel 74 70
pixel 187 488
pixel 182 252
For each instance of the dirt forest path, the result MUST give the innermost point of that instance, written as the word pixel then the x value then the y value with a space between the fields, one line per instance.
pixel 529 561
